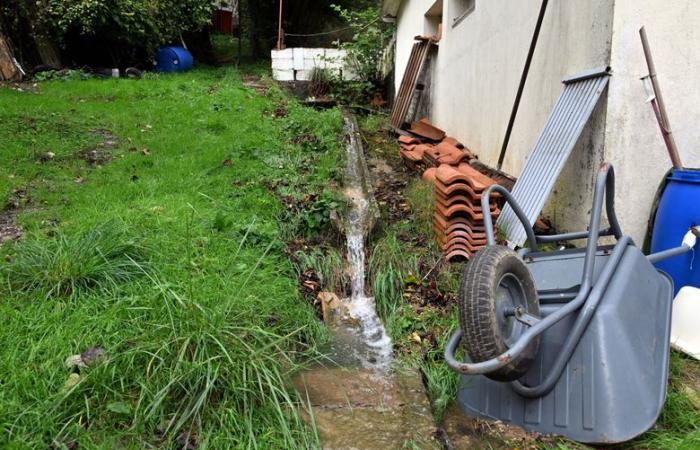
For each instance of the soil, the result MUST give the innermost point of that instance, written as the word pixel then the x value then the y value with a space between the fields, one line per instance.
pixel 102 153
pixel 9 230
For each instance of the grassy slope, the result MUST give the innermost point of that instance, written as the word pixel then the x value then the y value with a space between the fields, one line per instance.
pixel 199 345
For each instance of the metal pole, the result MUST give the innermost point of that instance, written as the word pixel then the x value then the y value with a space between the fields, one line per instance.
pixel 523 80
pixel 279 29
pixel 663 122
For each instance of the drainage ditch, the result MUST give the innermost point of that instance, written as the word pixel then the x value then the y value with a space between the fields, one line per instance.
pixel 358 398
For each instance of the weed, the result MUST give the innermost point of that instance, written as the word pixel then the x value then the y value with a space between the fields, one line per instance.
pixel 99 259
pixel 319 83
pixel 328 264
pixel 389 267
pixel 420 196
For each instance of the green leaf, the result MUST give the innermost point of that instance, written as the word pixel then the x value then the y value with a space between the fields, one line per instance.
pixel 119 408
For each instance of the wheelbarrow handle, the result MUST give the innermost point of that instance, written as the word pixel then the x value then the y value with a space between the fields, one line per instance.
pixel 488 222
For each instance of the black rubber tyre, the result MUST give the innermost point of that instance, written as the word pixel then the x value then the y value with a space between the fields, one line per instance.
pixel 497 279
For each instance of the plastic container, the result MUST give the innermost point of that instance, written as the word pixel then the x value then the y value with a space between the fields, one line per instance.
pixel 173 59
pixel 685 334
pixel 679 209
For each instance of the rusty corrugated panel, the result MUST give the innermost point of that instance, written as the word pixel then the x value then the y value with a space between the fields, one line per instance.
pixel 553 148
pixel 414 68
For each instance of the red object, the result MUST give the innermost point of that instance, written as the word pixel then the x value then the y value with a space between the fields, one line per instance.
pixel 223 21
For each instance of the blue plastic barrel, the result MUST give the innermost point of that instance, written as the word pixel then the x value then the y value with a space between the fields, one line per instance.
pixel 173 59
pixel 679 209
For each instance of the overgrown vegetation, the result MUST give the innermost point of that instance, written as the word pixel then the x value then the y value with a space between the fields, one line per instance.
pixel 167 254
pixel 366 50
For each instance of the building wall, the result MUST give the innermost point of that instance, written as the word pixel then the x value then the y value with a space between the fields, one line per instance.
pixel 410 22
pixel 478 69
pixel 633 142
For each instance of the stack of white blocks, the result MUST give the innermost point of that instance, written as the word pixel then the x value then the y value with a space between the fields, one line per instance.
pixel 296 64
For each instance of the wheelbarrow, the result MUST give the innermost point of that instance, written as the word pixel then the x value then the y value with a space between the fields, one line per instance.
pixel 572 342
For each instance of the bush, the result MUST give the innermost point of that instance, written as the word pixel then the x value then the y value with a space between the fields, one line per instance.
pixel 129 27
pixel 370 37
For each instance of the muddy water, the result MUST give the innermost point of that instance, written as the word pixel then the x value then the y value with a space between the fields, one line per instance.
pixel 357 400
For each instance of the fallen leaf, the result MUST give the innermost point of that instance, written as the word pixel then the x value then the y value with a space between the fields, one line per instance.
pixel 416 338
pixel 119 408
pixel 145 151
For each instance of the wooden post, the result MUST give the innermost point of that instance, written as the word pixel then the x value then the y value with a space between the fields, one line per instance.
pixel 279 29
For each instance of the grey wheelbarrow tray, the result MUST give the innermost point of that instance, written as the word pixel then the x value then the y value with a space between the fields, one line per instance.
pixel 602 366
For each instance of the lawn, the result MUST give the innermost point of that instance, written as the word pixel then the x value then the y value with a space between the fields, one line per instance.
pixel 151 301
pixel 176 231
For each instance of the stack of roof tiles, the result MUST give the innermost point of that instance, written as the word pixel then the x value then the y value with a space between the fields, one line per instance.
pixel 428 146
pixel 458 187
pixel 459 217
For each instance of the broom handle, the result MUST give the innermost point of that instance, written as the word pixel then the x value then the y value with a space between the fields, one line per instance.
pixel 660 105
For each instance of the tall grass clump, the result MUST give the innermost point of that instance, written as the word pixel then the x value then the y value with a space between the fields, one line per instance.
pixel 389 267
pixel 328 264
pixel 420 196
pixel 100 258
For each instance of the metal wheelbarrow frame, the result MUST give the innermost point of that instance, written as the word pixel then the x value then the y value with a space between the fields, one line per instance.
pixel 577 387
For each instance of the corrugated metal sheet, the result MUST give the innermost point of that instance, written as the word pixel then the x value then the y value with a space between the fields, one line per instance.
pixel 414 68
pixel 553 148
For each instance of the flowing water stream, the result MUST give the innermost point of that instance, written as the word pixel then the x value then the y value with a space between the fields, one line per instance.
pixel 361 334
pixel 357 399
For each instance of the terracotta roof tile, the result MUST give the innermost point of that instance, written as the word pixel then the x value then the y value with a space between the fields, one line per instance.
pixel 449 200
pixel 462 211
pixel 457 254
pixel 425 129
pixel 445 223
pixel 409 140
pixel 453 141
pixel 429 174
pixel 464 173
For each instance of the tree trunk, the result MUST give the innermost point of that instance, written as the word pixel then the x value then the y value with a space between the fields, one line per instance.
pixel 8 67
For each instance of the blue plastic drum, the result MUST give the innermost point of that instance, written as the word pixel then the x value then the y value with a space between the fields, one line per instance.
pixel 679 209
pixel 173 59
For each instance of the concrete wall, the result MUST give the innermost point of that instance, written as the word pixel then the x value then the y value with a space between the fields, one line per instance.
pixel 477 72
pixel 633 142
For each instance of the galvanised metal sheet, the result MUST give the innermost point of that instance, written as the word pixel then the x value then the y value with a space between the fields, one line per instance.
pixel 564 126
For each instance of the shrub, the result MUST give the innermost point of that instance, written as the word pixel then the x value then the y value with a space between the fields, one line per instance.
pixel 370 37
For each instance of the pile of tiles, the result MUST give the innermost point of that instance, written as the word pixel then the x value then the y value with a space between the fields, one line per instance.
pixel 427 146
pixel 459 218
pixel 458 188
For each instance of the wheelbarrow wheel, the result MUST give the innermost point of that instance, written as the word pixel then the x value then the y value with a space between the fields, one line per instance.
pixel 496 284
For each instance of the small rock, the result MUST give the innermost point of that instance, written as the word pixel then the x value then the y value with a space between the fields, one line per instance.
pixel 330 303
pixel 74 361
pixel 93 356
pixel 46 157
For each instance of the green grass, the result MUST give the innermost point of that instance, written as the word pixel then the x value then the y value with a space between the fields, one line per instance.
pixel 168 253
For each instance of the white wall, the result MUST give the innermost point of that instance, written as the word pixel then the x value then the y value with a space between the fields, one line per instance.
pixel 478 69
pixel 633 141
pixel 410 22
